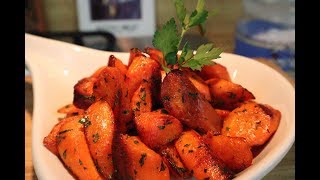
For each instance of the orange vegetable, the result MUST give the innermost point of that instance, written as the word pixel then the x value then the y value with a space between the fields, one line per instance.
pixel 172 159
pixel 227 95
pixel 99 135
pixel 134 52
pixel 141 101
pixel 133 159
pixel 115 62
pixel 144 69
pixel 183 101
pixel 199 83
pixel 197 158
pixel 74 152
pixel 252 121
pixel 70 110
pixel 222 113
pixel 155 54
pixel 83 93
pixel 50 141
pixel 235 152
pixel 157 130
pixel 215 71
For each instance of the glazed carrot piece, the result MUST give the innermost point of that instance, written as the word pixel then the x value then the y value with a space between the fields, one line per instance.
pixel 222 113
pixel 172 159
pixel 235 152
pixel 134 160
pixel 83 93
pixel 70 110
pixel 144 69
pixel 214 71
pixel 50 141
pixel 99 136
pixel 253 121
pixel 183 101
pixel 199 83
pixel 227 95
pixel 73 150
pixel 141 101
pixel 197 158
pixel 134 52
pixel 156 130
pixel 155 54
pixel 115 62
pixel 104 84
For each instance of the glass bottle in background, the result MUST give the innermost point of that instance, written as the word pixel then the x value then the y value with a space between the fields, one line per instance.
pixel 267 30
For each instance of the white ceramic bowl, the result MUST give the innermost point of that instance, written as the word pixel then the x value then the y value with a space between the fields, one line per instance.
pixel 56 66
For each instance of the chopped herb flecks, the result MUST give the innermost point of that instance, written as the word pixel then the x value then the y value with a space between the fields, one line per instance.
pixel 64 131
pixel 85 121
pixel 95 137
pixel 64 154
pixel 142 159
pixel 161 127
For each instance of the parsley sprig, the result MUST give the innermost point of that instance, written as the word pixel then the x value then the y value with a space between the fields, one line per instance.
pixel 168 40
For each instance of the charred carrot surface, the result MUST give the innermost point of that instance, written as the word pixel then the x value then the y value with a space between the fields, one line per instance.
pixel 172 159
pixel 134 52
pixel 115 62
pixel 157 130
pixel 235 152
pixel 197 158
pixel 227 95
pixel 253 121
pixel 99 133
pixel 199 83
pixel 83 93
pixel 215 71
pixel 73 150
pixel 155 54
pixel 183 101
pixel 134 160
pixel 144 69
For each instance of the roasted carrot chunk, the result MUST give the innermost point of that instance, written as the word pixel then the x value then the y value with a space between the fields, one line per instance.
pixel 183 101
pixel 197 158
pixel 235 152
pixel 83 93
pixel 199 83
pixel 117 63
pixel 172 159
pixel 155 54
pixel 222 113
pixel 141 101
pixel 99 134
pixel 144 69
pixel 157 130
pixel 133 159
pixel 253 121
pixel 134 52
pixel 215 71
pixel 73 150
pixel 227 95
pixel 70 110
pixel 50 141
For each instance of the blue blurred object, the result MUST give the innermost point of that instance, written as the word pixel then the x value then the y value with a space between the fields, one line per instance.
pixel 267 30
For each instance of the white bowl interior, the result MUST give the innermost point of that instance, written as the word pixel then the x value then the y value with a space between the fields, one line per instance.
pixel 56 66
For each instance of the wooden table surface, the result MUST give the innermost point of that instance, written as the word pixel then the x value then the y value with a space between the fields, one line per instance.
pixel 284 170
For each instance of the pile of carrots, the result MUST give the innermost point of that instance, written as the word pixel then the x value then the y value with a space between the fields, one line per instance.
pixel 137 122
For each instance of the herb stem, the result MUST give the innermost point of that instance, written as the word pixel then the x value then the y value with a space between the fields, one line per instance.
pixel 181 36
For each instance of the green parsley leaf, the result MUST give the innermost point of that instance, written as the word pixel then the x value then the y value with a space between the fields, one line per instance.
pixel 167 38
pixel 171 58
pixel 197 17
pixel 186 53
pixel 181 11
